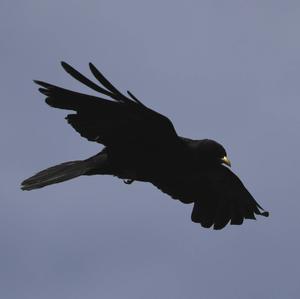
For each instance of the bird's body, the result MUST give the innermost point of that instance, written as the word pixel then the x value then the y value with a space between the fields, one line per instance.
pixel 142 145
pixel 149 164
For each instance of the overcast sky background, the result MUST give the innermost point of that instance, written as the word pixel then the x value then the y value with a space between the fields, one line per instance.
pixel 227 70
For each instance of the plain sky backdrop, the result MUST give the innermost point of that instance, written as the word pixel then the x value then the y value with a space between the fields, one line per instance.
pixel 227 70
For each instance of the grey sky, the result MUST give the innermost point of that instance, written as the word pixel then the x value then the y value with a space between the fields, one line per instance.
pixel 227 70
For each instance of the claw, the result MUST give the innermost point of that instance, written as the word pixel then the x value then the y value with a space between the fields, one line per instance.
pixel 128 181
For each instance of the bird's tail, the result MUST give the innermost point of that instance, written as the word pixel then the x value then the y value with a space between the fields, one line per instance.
pixel 67 171
pixel 56 174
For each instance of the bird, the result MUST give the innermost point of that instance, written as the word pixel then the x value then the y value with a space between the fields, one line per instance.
pixel 142 145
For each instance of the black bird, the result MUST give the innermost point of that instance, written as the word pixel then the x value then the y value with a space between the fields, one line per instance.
pixel 142 145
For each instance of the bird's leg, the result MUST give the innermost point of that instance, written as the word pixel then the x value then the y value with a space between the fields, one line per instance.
pixel 128 181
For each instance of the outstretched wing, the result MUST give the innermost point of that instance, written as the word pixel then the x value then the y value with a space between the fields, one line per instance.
pixel 122 120
pixel 218 195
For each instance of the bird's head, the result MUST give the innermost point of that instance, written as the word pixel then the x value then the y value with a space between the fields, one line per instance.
pixel 212 152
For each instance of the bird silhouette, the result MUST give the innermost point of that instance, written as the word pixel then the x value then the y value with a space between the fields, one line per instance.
pixel 141 144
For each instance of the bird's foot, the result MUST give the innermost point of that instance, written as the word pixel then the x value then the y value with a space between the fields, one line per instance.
pixel 128 181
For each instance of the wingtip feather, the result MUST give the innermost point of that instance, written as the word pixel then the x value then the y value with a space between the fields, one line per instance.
pixel 64 64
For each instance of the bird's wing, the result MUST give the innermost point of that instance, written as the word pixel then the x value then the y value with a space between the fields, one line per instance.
pixel 122 120
pixel 218 194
